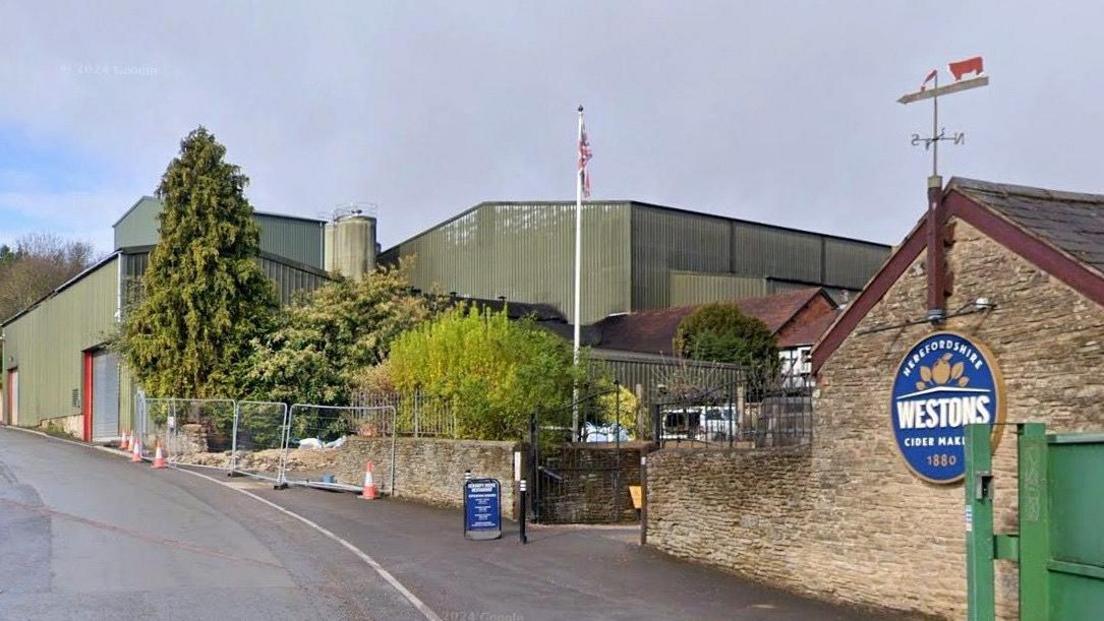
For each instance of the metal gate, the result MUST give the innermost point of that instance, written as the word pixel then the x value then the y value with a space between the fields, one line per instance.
pixel 1059 547
pixel 581 482
pixel 105 395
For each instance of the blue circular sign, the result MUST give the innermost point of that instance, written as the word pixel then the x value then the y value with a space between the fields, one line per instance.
pixel 943 383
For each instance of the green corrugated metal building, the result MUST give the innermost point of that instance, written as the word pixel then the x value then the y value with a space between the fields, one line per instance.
pixel 636 256
pixel 56 366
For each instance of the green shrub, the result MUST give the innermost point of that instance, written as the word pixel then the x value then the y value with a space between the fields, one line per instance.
pixel 492 371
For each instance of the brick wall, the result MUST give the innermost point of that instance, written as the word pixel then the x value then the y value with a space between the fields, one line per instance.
pixel 847 521
pixel 430 470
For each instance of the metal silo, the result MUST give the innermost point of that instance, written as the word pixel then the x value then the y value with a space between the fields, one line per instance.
pixel 350 245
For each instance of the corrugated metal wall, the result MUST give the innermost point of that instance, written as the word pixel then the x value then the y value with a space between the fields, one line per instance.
pixel 851 264
pixel 690 288
pixel 291 280
pixel 46 343
pixel 298 240
pixel 643 375
pixel 664 240
pixel 740 254
pixel 287 236
pixel 525 252
pixel 765 251
pixel 134 266
pixel 138 227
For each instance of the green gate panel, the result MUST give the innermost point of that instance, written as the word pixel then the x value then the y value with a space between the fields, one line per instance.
pixel 1076 465
pixel 1075 598
pixel 1060 546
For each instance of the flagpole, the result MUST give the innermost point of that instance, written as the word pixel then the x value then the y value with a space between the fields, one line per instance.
pixel 577 316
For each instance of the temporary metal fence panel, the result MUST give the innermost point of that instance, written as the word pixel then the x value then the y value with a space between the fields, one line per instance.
pixel 153 416
pixel 259 439
pixel 196 432
pixel 315 435
pixel 201 432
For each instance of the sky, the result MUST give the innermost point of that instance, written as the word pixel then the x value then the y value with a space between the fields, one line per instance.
pixel 780 112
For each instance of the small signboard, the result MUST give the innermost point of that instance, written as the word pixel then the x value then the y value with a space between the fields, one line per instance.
pixel 482 514
pixel 947 380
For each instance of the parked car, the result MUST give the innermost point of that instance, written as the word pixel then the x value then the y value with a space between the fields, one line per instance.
pixel 717 423
pixel 704 423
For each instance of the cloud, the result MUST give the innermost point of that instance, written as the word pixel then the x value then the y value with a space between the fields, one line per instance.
pixel 778 112
pixel 79 215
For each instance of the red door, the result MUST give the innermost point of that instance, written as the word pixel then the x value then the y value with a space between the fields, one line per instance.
pixel 86 395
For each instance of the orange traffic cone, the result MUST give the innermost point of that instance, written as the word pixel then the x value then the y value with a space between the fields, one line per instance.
pixel 370 492
pixel 124 444
pixel 136 450
pixel 159 457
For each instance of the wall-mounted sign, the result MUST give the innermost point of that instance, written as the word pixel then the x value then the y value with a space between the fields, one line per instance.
pixel 482 516
pixel 944 382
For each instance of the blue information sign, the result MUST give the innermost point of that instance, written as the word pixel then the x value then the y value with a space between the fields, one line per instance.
pixel 482 516
pixel 944 382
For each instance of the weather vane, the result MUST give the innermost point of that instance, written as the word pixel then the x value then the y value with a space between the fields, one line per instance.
pixel 959 70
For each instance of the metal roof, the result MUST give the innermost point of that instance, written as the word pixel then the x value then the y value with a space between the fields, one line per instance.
pixel 63 286
pixel 271 214
pixel 632 204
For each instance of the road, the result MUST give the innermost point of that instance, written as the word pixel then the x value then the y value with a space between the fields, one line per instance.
pixel 565 572
pixel 86 535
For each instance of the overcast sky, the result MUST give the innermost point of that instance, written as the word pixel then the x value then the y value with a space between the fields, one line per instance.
pixel 782 112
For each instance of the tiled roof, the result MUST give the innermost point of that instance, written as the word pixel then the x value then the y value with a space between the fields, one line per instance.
pixel 652 331
pixel 807 333
pixel 1071 222
pixel 1061 233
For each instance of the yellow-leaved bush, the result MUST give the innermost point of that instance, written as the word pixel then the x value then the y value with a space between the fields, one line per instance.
pixel 493 372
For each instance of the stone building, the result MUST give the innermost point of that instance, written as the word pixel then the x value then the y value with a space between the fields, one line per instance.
pixel 845 518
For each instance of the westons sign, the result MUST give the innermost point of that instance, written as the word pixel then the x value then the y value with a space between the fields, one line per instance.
pixel 944 382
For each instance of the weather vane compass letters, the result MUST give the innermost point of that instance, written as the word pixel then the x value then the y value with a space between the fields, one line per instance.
pixel 959 70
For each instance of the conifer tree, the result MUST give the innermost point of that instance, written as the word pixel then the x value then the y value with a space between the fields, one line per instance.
pixel 204 295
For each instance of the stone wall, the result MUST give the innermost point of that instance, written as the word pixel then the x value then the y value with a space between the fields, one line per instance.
pixel 739 508
pixel 71 425
pixel 430 470
pixel 848 521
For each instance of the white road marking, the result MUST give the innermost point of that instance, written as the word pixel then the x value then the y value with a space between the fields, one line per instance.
pixel 368 560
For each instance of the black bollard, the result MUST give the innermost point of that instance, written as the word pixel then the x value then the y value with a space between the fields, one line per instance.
pixel 521 512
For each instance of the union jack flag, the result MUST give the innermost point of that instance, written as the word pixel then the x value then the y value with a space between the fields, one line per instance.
pixel 584 157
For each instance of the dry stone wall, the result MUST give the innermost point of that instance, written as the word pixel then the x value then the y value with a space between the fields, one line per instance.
pixel 848 521
pixel 430 470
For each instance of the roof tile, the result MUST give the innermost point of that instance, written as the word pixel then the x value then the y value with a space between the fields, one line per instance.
pixel 1072 222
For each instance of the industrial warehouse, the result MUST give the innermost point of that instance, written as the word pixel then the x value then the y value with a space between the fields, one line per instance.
pixel 1007 273
pixel 557 311
pixel 637 257
pixel 56 361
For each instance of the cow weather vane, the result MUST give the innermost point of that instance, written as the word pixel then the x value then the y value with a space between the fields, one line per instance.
pixel 959 70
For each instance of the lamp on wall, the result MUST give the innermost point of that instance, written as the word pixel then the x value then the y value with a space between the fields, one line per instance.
pixel 984 304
